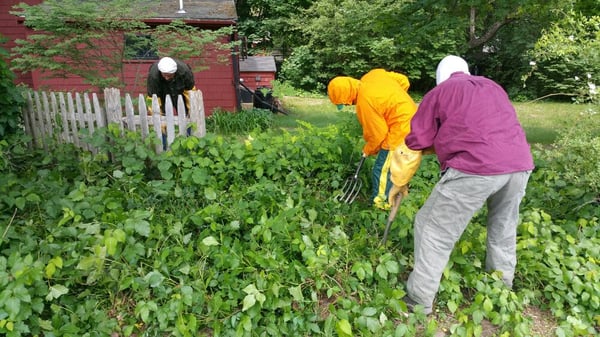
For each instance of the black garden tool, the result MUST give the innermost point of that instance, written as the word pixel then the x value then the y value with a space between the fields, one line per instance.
pixel 392 216
pixel 352 185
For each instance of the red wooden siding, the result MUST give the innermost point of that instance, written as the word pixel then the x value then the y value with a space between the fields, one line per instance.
pixel 257 79
pixel 257 71
pixel 10 28
pixel 217 82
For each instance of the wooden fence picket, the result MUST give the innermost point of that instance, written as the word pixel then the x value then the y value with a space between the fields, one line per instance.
pixel 61 117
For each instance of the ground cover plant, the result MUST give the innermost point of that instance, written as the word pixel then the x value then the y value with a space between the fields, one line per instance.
pixel 241 236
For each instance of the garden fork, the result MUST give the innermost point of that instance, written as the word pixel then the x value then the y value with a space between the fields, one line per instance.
pixel 352 185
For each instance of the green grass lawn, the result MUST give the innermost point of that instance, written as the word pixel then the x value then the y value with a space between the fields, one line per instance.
pixel 542 121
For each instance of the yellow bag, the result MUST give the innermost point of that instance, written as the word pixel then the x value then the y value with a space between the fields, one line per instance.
pixel 405 163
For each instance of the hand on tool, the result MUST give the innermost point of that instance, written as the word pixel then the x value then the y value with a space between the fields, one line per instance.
pixel 395 191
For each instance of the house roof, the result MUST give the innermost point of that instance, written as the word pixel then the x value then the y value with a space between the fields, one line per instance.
pixel 221 10
pixel 258 63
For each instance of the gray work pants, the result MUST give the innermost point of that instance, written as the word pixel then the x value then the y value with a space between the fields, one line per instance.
pixel 445 215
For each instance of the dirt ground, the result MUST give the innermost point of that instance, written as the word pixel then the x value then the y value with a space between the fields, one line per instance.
pixel 543 325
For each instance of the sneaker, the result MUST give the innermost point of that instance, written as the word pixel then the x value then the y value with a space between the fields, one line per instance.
pixel 412 304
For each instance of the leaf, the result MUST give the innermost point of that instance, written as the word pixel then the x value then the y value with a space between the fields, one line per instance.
pixel 210 194
pixel 187 294
pixel 488 306
pixel 210 241
pixel 12 306
pixel 111 245
pixel 296 293
pixel 249 302
pixel 118 174
pixel 392 267
pixel 343 328
pixel 369 311
pixel 56 291
pixel 50 270
pixel 452 306
pixel 154 278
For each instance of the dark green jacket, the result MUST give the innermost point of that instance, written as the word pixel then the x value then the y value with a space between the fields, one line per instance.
pixel 182 82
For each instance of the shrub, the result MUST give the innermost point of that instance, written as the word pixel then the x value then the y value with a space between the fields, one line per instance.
pixel 565 59
pixel 11 99
pixel 567 177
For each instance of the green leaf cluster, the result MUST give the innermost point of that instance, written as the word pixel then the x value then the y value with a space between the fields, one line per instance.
pixel 11 98
pixel 239 235
pixel 565 60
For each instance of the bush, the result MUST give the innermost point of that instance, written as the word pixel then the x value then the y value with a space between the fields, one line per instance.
pixel 565 60
pixel 11 98
pixel 567 177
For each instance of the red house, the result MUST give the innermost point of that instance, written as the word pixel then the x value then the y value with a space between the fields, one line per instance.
pixel 218 81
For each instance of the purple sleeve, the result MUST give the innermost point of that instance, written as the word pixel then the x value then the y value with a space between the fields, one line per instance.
pixel 423 126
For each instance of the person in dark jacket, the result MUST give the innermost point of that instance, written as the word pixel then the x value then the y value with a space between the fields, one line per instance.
pixel 171 77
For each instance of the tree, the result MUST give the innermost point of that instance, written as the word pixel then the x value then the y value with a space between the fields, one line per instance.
pixel 86 38
pixel 265 24
pixel 342 36
pixel 565 61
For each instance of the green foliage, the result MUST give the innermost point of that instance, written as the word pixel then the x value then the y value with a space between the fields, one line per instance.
pixel 352 37
pixel 565 60
pixel 11 98
pixel 558 260
pixel 224 122
pixel 241 237
pixel 265 24
pixel 189 43
pixel 570 172
pixel 67 39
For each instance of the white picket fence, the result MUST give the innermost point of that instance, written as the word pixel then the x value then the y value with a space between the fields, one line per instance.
pixel 61 117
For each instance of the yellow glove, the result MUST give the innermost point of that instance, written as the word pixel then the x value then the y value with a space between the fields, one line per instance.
pixel 405 163
pixel 149 105
pixel 394 191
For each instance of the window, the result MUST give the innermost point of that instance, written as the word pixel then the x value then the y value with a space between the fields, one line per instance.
pixel 139 47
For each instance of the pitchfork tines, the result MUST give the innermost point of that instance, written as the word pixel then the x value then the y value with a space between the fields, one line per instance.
pixel 352 186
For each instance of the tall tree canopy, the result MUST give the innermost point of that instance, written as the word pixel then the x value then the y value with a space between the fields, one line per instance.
pixel 331 37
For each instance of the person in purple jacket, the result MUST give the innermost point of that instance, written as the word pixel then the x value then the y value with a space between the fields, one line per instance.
pixel 470 123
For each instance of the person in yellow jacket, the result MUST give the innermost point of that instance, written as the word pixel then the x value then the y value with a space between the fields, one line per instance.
pixel 384 110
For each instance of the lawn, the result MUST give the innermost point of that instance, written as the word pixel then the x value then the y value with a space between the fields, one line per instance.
pixel 542 121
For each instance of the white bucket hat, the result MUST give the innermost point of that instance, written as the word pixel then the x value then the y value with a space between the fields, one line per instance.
pixel 167 65
pixel 449 65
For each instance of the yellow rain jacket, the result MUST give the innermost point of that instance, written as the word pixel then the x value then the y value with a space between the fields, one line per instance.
pixel 383 106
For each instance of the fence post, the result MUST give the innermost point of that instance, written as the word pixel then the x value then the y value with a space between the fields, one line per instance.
pixel 114 113
pixel 29 119
pixel 197 113
pixel 143 110
pixel 63 115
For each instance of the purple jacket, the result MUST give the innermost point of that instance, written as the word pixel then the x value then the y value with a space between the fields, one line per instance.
pixel 472 125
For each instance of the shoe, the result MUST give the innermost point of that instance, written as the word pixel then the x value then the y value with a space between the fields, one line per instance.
pixel 412 304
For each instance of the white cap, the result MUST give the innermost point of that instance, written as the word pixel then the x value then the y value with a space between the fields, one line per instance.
pixel 449 65
pixel 167 65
